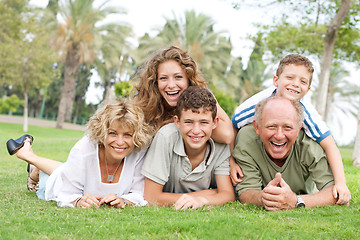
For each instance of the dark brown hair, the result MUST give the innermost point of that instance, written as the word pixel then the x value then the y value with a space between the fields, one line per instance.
pixel 195 98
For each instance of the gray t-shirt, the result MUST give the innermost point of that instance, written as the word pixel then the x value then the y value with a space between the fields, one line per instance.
pixel 306 160
pixel 166 163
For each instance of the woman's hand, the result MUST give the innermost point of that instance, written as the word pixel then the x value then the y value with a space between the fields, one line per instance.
pixel 87 201
pixel 114 201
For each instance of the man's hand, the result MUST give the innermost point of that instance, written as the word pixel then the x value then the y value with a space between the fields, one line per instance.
pixel 187 201
pixel 277 195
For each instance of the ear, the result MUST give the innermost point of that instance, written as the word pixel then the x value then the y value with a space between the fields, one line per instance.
pixel 215 122
pixel 256 127
pixel 177 121
pixel 275 80
pixel 300 127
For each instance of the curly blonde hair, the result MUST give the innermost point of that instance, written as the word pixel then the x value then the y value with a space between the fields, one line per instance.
pixel 128 114
pixel 148 96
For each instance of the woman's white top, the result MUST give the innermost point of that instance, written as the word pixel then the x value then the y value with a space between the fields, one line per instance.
pixel 80 174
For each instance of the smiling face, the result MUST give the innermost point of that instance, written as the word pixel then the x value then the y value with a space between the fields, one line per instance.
pixel 293 83
pixel 278 128
pixel 195 129
pixel 118 142
pixel 172 81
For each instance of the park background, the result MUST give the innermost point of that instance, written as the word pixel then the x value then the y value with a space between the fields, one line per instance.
pixel 237 44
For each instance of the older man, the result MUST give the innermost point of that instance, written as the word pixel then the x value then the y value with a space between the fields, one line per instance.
pixel 280 163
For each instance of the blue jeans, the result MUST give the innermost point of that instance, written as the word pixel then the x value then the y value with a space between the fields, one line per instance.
pixel 43 177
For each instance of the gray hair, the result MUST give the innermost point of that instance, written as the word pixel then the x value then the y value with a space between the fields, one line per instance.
pixel 296 104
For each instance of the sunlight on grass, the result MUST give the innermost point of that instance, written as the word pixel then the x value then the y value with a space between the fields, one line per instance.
pixel 23 216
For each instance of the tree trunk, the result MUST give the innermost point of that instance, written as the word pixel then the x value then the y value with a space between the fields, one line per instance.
pixel 329 44
pixel 328 104
pixel 25 126
pixel 72 64
pixel 109 95
pixel 77 109
pixel 356 153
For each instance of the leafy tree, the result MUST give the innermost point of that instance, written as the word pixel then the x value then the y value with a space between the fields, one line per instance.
pixel 243 83
pixel 329 22
pixel 315 33
pixel 329 44
pixel 227 103
pixel 123 89
pixel 26 57
pixel 340 98
pixel 10 104
pixel 82 85
pixel 78 37
pixel 52 94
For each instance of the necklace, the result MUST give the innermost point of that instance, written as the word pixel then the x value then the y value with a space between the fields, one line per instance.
pixel 110 178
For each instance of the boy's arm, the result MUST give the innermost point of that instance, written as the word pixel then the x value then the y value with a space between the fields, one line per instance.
pixel 222 194
pixel 223 133
pixel 340 189
pixel 235 171
pixel 153 193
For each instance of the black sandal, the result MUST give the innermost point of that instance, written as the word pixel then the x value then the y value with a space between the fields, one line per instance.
pixel 32 185
pixel 14 145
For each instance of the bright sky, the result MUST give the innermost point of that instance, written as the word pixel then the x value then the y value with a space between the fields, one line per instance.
pixel 145 15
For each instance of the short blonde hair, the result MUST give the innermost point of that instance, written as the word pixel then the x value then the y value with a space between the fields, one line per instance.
pixel 128 114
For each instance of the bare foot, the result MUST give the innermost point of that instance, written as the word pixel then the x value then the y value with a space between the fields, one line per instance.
pixel 26 152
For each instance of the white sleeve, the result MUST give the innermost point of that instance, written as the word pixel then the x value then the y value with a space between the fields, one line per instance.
pixel 314 126
pixel 136 194
pixel 245 112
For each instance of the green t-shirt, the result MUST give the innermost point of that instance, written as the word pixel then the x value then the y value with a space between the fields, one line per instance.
pixel 306 160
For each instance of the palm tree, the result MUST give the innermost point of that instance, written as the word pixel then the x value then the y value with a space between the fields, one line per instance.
pixel 112 64
pixel 242 84
pixel 78 37
pixel 340 97
pixel 194 33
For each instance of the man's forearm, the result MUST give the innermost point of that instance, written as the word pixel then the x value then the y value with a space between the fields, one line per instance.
pixel 251 196
pixel 321 198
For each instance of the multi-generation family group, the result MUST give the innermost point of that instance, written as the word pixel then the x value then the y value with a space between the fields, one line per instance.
pixel 172 144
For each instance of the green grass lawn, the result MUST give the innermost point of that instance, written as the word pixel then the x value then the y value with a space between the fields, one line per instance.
pixel 23 216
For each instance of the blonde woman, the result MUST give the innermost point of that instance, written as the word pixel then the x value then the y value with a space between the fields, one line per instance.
pixel 103 167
